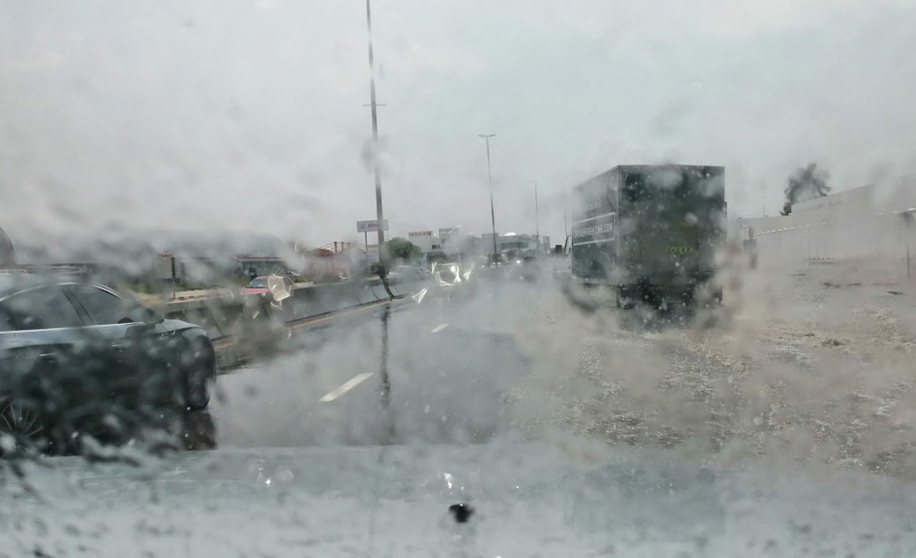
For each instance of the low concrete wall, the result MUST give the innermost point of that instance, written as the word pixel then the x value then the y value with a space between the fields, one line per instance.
pixel 868 223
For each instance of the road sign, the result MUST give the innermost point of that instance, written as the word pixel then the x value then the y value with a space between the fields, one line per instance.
pixel 371 226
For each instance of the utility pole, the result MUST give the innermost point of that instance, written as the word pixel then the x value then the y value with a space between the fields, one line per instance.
pixel 380 214
pixel 487 137
pixel 537 221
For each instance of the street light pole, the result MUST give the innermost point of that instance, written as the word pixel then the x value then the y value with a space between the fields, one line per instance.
pixel 487 137
pixel 380 214
pixel 537 221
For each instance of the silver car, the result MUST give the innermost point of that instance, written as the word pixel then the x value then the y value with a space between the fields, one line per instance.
pixel 71 350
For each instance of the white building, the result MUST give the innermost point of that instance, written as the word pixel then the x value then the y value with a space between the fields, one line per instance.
pixel 452 241
pixel 516 244
pixel 426 241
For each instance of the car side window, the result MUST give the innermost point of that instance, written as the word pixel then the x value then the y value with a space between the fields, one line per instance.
pixel 103 307
pixel 41 308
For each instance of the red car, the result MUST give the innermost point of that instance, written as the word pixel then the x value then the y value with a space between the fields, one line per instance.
pixel 269 284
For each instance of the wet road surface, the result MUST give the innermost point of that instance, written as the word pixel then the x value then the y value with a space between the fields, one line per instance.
pixel 782 371
pixel 433 372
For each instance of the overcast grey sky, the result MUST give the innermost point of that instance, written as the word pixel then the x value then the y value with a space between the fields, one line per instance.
pixel 249 114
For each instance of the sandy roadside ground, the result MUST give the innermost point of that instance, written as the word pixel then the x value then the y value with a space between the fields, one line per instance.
pixel 813 364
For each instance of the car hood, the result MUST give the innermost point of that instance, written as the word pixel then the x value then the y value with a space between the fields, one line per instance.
pixel 561 499
pixel 170 324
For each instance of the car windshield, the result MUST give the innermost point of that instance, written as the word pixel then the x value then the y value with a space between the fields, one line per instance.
pixel 457 278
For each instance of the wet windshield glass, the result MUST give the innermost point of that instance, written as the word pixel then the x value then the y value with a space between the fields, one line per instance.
pixel 460 278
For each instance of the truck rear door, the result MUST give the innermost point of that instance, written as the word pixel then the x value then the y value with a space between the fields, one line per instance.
pixel 663 232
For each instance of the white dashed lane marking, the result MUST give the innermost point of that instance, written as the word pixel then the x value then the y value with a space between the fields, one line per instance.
pixel 350 384
pixel 439 328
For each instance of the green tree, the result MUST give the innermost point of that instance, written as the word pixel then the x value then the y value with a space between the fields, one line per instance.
pixel 403 249
pixel 806 183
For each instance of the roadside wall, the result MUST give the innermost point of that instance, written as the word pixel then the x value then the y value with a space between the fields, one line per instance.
pixel 869 223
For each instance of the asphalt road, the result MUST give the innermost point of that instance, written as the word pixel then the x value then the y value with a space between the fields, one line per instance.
pixel 507 358
pixel 796 365
pixel 433 371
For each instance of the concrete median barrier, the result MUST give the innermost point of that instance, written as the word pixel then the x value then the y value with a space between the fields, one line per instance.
pixel 312 303
pixel 379 291
pixel 248 324
pixel 219 312
pixel 366 295
pixel 299 307
pixel 335 297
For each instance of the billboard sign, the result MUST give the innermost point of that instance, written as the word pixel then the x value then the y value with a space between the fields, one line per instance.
pixel 371 226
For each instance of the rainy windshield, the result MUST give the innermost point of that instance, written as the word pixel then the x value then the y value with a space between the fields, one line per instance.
pixel 462 278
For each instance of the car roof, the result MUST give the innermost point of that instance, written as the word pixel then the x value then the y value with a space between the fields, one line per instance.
pixel 11 283
pixel 14 281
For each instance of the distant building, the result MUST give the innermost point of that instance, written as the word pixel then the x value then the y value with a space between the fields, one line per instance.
pixel 426 241
pixel 453 241
pixel 451 244
pixel 509 245
pixel 516 243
